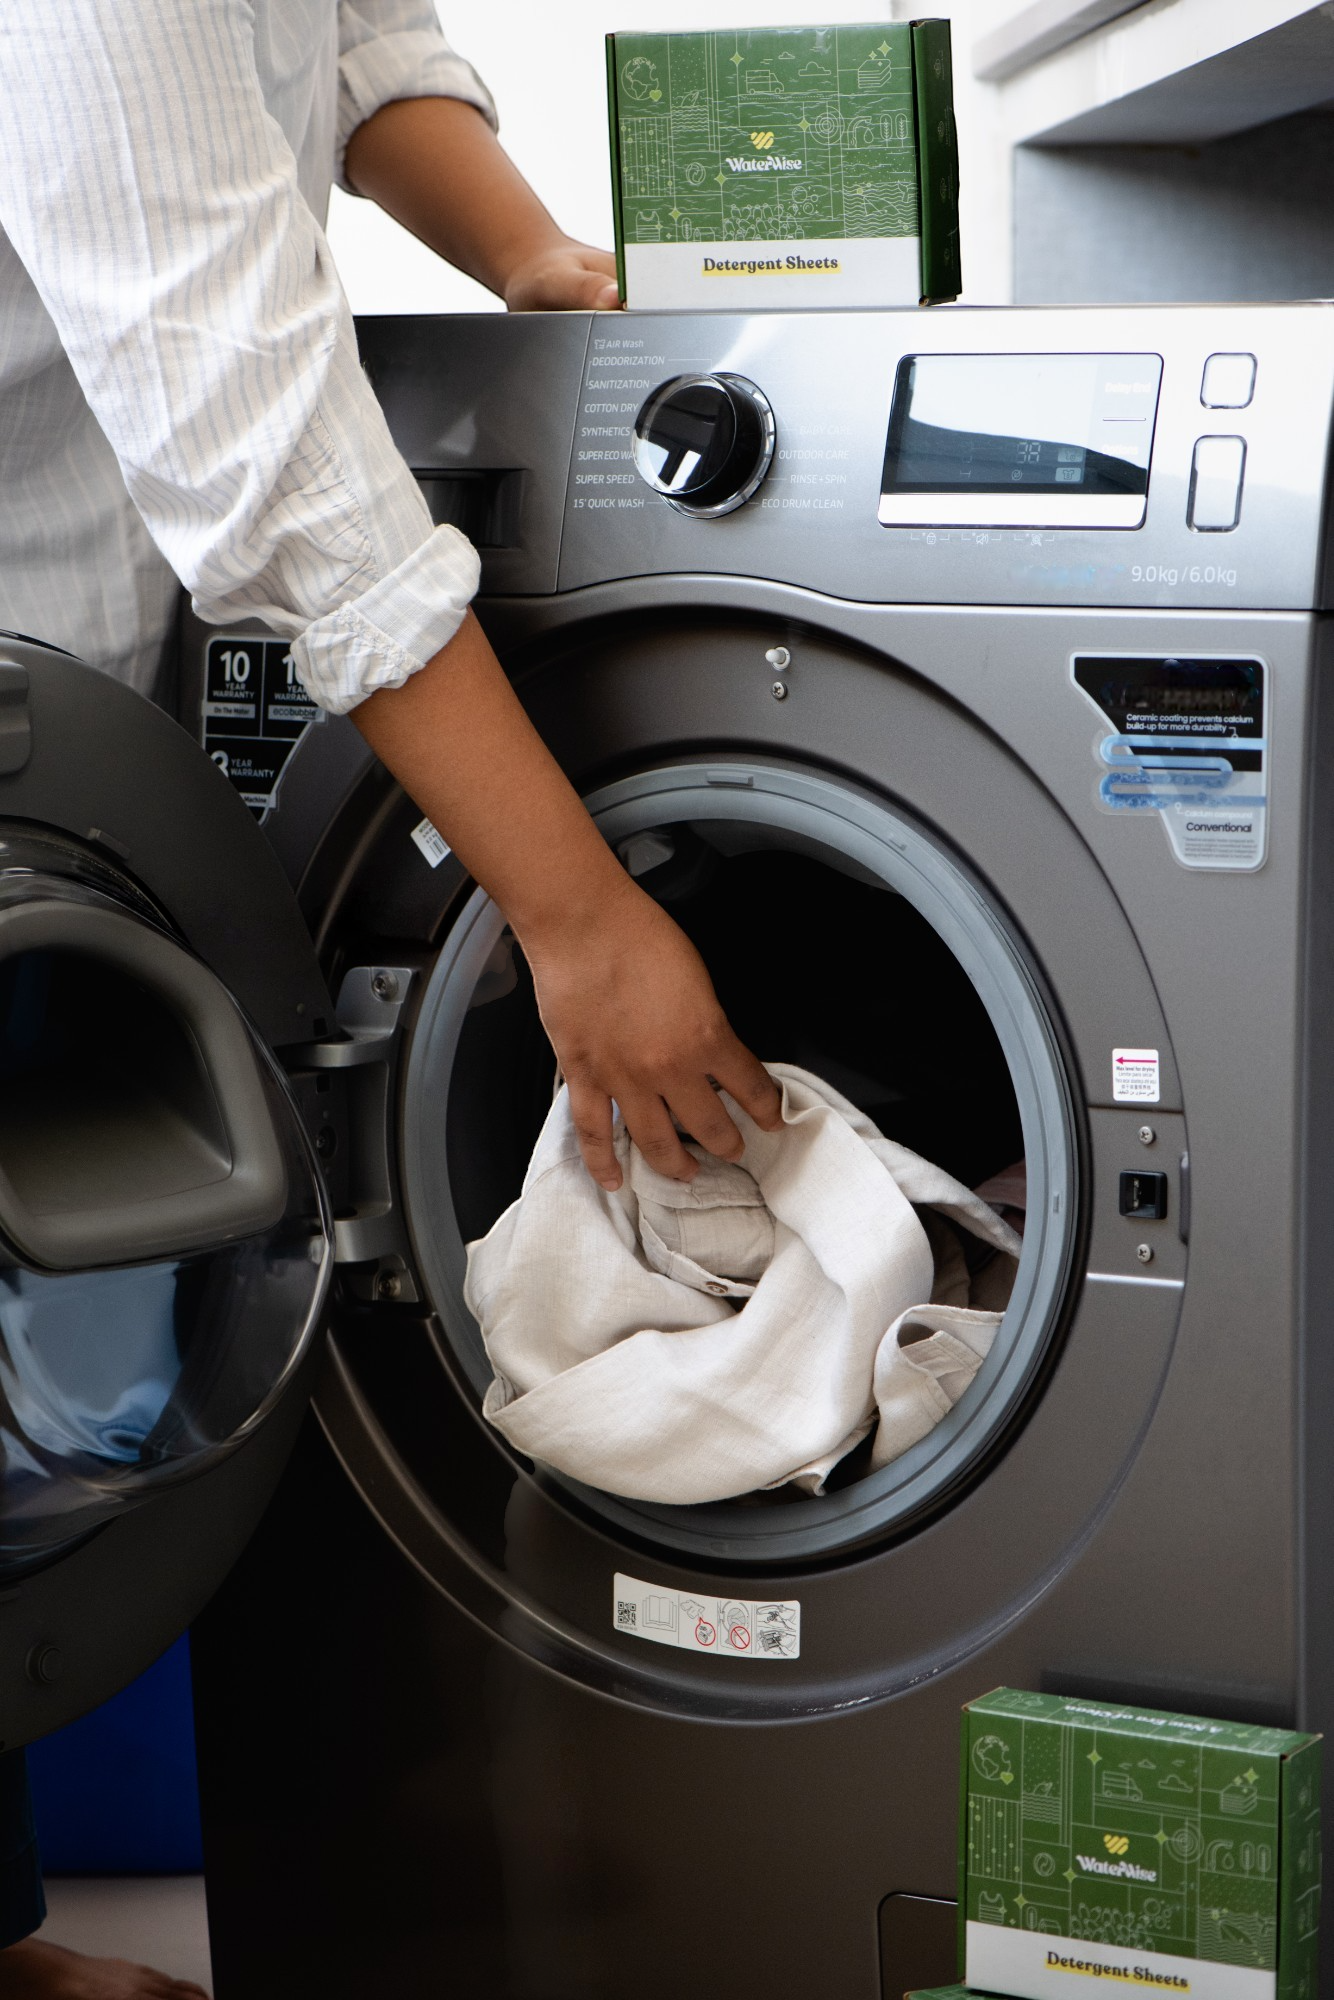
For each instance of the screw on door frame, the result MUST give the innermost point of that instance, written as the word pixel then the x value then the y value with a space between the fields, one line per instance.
pixel 1147 1135
pixel 780 690
pixel 1144 1252
pixel 384 986
pixel 389 1285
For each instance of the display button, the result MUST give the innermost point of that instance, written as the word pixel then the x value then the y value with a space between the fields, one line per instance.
pixel 1215 485
pixel 1144 1197
pixel 1229 381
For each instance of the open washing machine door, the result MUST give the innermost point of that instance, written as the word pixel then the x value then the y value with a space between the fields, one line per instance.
pixel 165 1247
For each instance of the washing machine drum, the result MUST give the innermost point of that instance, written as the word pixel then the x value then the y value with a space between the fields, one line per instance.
pixel 164 1248
pixel 839 937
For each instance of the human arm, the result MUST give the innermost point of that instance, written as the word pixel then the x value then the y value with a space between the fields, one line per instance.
pixel 624 996
pixel 436 166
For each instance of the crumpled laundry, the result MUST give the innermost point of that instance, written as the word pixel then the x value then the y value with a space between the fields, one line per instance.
pixel 686 1343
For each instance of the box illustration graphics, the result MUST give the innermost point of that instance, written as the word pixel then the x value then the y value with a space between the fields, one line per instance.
pixel 785 167
pixel 1148 1849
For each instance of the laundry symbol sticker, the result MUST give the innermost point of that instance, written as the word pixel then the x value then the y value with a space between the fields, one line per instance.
pixel 730 1628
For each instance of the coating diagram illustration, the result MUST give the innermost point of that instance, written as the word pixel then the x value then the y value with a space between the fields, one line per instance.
pixel 767 135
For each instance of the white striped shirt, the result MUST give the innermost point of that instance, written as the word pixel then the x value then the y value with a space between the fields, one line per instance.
pixel 172 326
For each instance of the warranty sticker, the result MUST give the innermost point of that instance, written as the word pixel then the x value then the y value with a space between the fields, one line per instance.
pixel 1185 739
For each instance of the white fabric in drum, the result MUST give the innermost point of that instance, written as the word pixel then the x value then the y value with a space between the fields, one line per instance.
pixel 691 1343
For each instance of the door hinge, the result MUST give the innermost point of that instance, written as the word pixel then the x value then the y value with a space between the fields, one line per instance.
pixel 348 1086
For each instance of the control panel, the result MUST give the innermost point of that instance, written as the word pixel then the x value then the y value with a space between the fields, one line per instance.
pixel 1139 456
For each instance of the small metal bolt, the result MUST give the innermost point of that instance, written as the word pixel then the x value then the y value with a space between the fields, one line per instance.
pixel 779 658
pixel 326 1142
pixel 384 986
pixel 779 690
pixel 1147 1135
pixel 1144 1252
pixel 389 1285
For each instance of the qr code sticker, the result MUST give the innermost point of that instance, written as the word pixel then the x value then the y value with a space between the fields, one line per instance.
pixel 626 1613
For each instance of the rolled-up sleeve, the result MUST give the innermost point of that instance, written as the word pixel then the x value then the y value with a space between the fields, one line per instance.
pixel 155 205
pixel 389 49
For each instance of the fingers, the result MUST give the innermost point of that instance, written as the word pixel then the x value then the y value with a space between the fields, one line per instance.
pixel 589 291
pixel 590 1108
pixel 744 1077
pixel 649 1123
pixel 697 1107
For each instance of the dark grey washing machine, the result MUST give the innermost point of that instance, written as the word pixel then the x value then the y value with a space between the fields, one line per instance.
pixel 960 683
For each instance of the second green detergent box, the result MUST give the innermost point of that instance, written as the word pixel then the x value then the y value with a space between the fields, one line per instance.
pixel 1147 1849
pixel 785 166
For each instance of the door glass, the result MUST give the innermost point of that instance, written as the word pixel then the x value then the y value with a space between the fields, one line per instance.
pixel 120 1380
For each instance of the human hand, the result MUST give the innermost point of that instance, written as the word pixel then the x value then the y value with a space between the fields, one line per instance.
pixel 633 1017
pixel 565 277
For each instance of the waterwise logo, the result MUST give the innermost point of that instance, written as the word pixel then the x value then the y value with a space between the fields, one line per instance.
pixel 772 163
pixel 1117 1844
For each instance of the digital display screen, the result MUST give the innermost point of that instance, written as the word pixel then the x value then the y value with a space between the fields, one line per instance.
pixel 1022 424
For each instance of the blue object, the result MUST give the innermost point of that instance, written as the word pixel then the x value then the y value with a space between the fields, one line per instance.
pixel 117 1793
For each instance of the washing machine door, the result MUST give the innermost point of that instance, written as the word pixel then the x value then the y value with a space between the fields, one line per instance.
pixel 164 1243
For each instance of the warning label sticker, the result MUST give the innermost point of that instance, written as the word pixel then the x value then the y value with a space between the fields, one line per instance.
pixel 735 1628
pixel 1135 1074
pixel 1188 743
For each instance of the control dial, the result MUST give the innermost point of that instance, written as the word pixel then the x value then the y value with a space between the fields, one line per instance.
pixel 704 442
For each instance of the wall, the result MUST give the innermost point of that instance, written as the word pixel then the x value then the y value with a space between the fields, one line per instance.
pixel 543 60
pixel 1246 217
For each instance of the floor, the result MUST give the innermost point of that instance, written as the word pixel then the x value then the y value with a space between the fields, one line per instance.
pixel 156 1920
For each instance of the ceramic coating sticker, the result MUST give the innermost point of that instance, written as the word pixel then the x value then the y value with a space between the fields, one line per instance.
pixel 1185 740
pixel 736 1628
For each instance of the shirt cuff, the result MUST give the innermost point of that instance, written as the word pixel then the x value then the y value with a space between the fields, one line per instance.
pixel 383 637
pixel 410 63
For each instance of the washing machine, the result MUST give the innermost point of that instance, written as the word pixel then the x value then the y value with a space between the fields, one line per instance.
pixel 958 682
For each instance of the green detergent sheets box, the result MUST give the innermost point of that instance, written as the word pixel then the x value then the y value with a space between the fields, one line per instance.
pixel 785 166
pixel 1144 1849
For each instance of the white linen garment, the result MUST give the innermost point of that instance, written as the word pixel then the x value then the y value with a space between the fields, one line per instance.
pixel 689 1343
pixel 171 323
